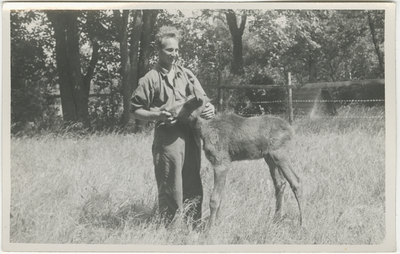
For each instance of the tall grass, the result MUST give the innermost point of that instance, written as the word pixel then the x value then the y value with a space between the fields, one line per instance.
pixel 101 189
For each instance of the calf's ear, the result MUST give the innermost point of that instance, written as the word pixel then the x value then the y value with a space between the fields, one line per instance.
pixel 194 93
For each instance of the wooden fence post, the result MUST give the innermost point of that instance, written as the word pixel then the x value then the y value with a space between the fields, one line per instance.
pixel 290 99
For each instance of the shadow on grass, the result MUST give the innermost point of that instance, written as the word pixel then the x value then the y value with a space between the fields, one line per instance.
pixel 100 211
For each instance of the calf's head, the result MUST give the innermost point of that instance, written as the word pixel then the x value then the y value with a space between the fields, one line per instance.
pixel 192 109
pixel 188 110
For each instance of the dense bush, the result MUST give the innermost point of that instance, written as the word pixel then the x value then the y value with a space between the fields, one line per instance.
pixel 361 92
pixel 32 107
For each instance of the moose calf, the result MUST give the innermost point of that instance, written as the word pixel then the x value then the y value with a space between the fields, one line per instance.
pixel 230 137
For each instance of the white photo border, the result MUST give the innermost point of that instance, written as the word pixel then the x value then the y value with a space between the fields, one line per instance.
pixel 388 245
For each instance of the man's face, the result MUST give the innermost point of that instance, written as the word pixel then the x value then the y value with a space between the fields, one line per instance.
pixel 169 52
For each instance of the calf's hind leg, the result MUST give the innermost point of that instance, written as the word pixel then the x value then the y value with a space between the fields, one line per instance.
pixel 279 184
pixel 281 161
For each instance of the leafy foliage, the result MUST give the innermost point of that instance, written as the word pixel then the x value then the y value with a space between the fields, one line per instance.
pixel 314 45
pixel 32 72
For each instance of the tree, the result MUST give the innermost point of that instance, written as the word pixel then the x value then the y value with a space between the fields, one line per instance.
pixel 236 30
pixel 31 73
pixel 106 52
pixel 376 25
pixel 74 85
pixel 149 20
pixel 320 45
pixel 129 55
pixel 236 33
pixel 206 46
pixel 134 59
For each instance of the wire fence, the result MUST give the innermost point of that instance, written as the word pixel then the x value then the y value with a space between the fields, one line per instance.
pixel 316 101
pixel 293 106
pixel 380 114
pixel 318 116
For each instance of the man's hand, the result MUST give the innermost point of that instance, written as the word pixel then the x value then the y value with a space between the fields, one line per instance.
pixel 208 112
pixel 167 117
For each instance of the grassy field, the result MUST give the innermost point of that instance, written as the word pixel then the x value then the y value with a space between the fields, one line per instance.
pixel 101 189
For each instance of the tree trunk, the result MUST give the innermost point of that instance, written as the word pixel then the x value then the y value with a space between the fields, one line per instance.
pixel 93 35
pixel 236 33
pixel 134 59
pixel 126 67
pixel 81 95
pixel 379 53
pixel 129 57
pixel 149 19
pixel 58 19
pixel 312 69
pixel 134 52
pixel 133 65
pixel 74 86
pixel 135 39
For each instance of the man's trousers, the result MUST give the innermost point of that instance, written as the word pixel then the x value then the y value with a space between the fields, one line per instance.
pixel 177 162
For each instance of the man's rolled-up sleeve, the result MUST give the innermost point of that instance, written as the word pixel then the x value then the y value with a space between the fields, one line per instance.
pixel 143 96
pixel 196 82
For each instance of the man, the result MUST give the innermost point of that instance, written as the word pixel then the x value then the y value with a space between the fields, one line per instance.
pixel 176 147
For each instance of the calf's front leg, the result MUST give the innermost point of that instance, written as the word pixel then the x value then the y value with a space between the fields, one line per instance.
pixel 220 173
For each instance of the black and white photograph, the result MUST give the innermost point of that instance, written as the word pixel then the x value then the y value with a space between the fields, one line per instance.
pixel 214 127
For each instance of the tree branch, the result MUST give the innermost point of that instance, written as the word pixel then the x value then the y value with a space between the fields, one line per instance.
pixel 242 24
pixel 232 22
pixel 376 44
pixel 118 23
pixel 134 48
pixel 92 65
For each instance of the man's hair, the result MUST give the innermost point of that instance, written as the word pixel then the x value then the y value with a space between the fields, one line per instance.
pixel 166 32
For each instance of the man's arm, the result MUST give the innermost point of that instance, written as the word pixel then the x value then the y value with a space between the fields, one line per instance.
pixel 143 114
pixel 141 101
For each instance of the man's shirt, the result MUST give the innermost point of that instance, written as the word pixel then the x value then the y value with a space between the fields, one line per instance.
pixel 155 89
